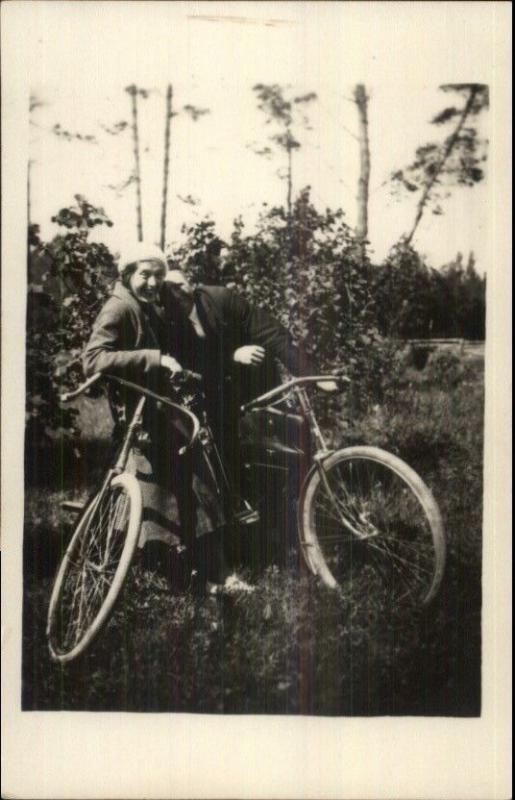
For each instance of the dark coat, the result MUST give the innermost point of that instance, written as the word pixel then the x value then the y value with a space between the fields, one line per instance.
pixel 230 322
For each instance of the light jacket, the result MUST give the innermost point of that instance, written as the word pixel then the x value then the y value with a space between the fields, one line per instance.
pixel 126 340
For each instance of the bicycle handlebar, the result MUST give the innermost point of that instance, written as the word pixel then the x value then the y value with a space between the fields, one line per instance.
pixel 284 387
pixel 147 393
pixel 264 398
pixel 67 396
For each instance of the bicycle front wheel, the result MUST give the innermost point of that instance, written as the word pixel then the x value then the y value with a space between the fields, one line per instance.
pixel 94 568
pixel 368 524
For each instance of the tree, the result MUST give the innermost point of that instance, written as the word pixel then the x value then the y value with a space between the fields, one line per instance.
pixel 166 163
pixel 194 113
pixel 361 100
pixel 317 288
pixel 460 301
pixel 134 92
pixel 455 161
pixel 287 114
pixel 403 294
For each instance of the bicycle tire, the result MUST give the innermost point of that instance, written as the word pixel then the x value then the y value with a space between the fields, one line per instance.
pixel 94 568
pixel 404 556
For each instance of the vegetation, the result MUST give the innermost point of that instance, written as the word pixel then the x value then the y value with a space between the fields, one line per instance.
pixel 346 309
pixel 458 160
pixel 292 646
pixel 68 279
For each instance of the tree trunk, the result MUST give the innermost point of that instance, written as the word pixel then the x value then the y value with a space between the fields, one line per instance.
pixel 361 100
pixel 133 91
pixel 166 166
pixel 289 184
pixel 451 141
pixel 289 223
pixel 29 165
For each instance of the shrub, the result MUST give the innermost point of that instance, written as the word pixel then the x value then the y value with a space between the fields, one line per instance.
pixel 444 368
pixel 309 273
pixel 68 280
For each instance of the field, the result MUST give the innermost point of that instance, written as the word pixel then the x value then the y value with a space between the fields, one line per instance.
pixel 290 647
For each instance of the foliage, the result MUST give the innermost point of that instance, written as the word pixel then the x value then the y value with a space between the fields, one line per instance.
pixel 287 114
pixel 305 270
pixel 199 254
pixel 456 161
pixel 309 275
pixel 272 100
pixel 459 300
pixel 292 646
pixel 403 294
pixel 444 368
pixel 67 281
pixel 416 301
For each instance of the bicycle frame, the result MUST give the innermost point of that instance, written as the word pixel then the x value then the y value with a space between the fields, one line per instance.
pixel 298 387
pixel 322 452
pixel 203 433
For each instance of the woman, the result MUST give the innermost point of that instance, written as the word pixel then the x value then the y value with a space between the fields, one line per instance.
pixel 130 340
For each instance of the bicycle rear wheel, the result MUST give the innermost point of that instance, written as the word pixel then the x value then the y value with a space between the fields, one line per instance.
pixel 370 525
pixel 94 568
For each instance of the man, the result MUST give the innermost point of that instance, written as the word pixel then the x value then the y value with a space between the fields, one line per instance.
pixel 236 347
pixel 130 339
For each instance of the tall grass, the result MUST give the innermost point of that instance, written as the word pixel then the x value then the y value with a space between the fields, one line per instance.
pixel 291 646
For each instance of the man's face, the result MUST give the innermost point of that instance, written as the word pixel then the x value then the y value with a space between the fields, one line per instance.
pixel 180 289
pixel 146 281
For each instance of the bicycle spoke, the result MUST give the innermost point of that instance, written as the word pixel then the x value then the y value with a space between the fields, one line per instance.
pixel 400 568
pixel 409 565
pixel 373 519
pixel 90 570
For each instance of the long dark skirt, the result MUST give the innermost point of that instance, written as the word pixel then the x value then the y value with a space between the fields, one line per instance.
pixel 181 501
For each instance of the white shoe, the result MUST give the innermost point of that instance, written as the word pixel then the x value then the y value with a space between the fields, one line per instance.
pixel 233 585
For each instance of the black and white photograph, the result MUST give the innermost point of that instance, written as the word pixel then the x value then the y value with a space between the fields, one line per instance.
pixel 256 306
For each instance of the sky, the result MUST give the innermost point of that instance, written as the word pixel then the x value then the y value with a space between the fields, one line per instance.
pixel 83 55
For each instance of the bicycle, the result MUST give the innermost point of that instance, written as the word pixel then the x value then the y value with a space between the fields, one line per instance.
pixel 366 521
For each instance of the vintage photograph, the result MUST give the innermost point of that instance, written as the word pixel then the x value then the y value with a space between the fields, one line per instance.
pixel 255 356
pixel 255 344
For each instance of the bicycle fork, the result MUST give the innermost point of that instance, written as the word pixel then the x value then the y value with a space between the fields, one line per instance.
pixel 118 468
pixel 321 455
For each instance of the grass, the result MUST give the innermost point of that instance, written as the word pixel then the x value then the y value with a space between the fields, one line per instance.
pixel 292 646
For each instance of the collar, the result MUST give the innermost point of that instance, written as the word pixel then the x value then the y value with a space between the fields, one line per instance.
pixel 208 310
pixel 120 292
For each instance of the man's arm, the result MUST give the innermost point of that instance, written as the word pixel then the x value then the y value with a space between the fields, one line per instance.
pixel 261 329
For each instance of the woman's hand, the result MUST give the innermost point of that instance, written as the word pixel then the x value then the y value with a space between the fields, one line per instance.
pixel 171 364
pixel 251 354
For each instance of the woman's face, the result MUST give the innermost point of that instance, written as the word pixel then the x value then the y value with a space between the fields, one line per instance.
pixel 145 283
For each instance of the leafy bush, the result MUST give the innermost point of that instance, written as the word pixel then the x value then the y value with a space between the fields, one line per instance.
pixel 306 269
pixel 416 301
pixel 309 273
pixel 68 280
pixel 444 368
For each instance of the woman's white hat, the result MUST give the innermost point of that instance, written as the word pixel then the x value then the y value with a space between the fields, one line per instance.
pixel 140 251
